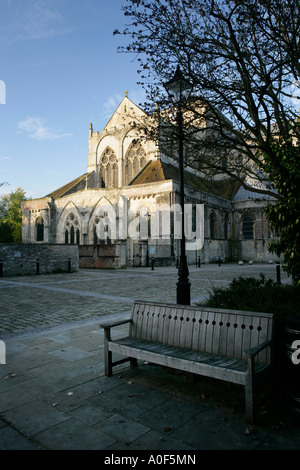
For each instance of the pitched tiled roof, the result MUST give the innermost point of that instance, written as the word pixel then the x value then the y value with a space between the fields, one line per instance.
pixel 158 170
pixel 67 187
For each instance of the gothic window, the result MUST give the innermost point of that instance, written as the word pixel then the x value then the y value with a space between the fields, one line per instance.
pixel 72 235
pixel 248 227
pixel 136 165
pixel 102 173
pixel 212 225
pixel 109 169
pixel 128 171
pixel 72 232
pixel 135 161
pixel 102 231
pixel 108 176
pixel 39 229
pixel 115 175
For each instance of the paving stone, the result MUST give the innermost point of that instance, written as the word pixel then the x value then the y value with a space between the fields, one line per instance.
pixel 55 346
pixel 35 417
pixel 153 440
pixel 214 433
pixel 122 428
pixel 69 435
pixel 69 353
pixel 90 413
pixel 101 293
pixel 13 398
pixel 175 414
pixel 10 439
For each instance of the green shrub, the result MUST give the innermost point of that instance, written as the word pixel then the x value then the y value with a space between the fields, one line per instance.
pixel 261 295
pixel 257 295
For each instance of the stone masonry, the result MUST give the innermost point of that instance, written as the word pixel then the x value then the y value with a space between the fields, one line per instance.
pixel 21 259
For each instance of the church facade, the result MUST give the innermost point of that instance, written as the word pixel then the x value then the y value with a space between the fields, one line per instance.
pixel 124 211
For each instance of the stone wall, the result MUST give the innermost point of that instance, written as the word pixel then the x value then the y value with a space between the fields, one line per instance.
pixel 103 256
pixel 21 259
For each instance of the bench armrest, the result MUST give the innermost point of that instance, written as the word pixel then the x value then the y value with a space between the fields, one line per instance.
pixel 254 351
pixel 115 323
pixel 107 327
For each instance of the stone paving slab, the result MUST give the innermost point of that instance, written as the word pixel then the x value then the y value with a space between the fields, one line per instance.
pixel 54 395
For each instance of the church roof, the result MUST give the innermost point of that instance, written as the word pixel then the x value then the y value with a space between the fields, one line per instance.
pixel 67 187
pixel 126 108
pixel 244 194
pixel 158 170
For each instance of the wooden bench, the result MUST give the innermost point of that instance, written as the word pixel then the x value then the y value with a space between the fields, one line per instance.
pixel 234 346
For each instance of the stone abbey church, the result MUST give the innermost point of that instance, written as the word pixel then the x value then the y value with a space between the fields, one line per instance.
pixel 110 210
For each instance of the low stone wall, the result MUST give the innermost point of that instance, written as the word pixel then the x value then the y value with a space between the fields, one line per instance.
pixel 103 256
pixel 21 259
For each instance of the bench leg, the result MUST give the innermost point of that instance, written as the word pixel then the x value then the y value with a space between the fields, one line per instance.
pixel 249 402
pixel 107 353
pixel 108 362
pixel 133 362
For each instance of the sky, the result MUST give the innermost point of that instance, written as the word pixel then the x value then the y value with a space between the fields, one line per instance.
pixel 59 71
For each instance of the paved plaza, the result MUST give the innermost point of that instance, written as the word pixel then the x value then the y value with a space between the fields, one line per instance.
pixel 30 303
pixel 53 392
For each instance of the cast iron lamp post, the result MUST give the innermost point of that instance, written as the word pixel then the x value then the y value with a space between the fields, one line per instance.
pixel 179 90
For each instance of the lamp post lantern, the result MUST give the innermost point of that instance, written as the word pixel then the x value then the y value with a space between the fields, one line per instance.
pixel 179 90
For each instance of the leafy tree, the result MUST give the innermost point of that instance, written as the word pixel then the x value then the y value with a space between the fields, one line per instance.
pixel 11 216
pixel 284 215
pixel 243 58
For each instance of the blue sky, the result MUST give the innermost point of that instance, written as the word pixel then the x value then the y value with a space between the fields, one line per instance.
pixel 61 70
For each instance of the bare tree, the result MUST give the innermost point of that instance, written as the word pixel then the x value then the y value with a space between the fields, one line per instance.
pixel 243 60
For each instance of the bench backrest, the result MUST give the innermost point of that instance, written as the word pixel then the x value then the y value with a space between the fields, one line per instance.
pixel 216 331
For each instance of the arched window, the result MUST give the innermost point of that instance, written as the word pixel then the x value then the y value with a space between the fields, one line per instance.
pixel 128 171
pixel 108 169
pixel 212 225
pixel 136 165
pixel 39 229
pixel 135 161
pixel 72 232
pixel 248 227
pixel 103 229
pixel 108 176
pixel 72 235
pixel 115 175
pixel 102 174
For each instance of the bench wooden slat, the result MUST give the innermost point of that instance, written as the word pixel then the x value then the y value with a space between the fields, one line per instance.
pixel 199 340
pixel 173 351
pixel 164 325
pixel 183 363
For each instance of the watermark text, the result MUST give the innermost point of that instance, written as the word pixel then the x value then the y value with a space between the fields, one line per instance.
pixel 164 223
pixel 296 353
pixel 2 352
pixel 2 92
